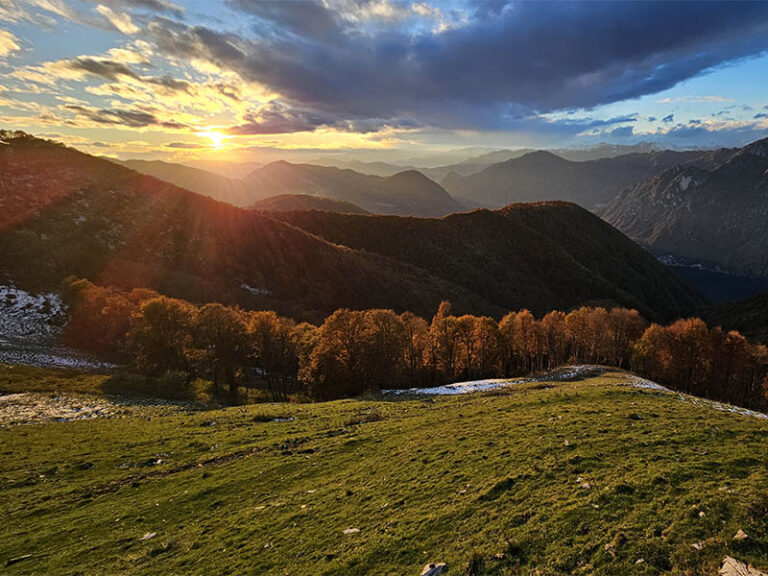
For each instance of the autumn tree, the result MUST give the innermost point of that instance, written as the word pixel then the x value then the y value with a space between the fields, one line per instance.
pixel 220 340
pixel 160 338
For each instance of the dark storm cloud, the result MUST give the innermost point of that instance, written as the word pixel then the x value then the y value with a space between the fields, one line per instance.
pixel 107 69
pixel 117 116
pixel 532 57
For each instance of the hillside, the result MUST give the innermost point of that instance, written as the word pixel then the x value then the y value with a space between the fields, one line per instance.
pixel 716 217
pixel 540 256
pixel 543 175
pixel 70 213
pixel 287 202
pixel 230 190
pixel 407 193
pixel 66 213
pixel 596 476
pixel 748 316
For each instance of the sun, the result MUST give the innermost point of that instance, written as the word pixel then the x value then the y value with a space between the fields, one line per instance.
pixel 216 138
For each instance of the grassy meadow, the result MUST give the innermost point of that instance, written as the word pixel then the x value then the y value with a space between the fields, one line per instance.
pixel 555 478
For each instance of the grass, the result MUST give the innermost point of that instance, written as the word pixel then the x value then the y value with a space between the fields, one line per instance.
pixel 492 484
pixel 17 378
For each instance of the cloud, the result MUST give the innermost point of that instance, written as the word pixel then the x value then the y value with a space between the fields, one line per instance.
pixel 184 145
pixel 8 43
pixel 320 60
pixel 668 119
pixel 121 21
pixel 622 132
pixel 760 115
pixel 121 117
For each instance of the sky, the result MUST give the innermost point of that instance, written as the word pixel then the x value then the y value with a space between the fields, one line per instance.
pixel 380 79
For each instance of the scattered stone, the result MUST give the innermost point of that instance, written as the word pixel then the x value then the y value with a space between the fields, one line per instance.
pixel 351 530
pixel 500 556
pixel 148 536
pixel 585 485
pixel 732 567
pixel 634 416
pixel 740 535
pixel 701 514
pixel 697 546
pixel 639 561
pixel 18 559
pixel 566 443
pixel 434 569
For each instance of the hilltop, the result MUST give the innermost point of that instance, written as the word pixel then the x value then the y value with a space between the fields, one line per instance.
pixel 541 256
pixel 591 474
pixel 289 202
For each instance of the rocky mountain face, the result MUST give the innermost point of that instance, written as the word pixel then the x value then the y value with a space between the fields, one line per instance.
pixel 716 216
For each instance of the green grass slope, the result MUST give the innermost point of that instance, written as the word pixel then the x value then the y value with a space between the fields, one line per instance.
pixel 585 477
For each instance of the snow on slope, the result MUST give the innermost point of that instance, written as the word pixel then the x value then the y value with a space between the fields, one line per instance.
pixel 29 325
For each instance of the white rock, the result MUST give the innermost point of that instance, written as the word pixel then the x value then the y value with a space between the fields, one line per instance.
pixel 351 530
pixel 740 535
pixel 434 569
pixel 148 536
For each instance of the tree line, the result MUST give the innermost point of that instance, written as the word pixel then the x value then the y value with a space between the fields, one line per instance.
pixel 357 351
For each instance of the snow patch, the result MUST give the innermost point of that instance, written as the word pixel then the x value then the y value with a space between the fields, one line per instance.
pixel 685 181
pixel 29 326
pixel 563 375
pixel 256 291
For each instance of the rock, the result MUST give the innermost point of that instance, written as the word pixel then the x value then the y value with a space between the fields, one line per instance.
pixel 732 567
pixel 740 535
pixel 434 569
pixel 697 546
pixel 148 536
pixel 351 530
pixel 701 514
pixel 639 561
pixel 585 485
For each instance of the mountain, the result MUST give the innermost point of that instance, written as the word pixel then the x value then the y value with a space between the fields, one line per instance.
pixel 288 202
pixel 543 175
pixel 64 212
pixel 716 217
pixel 230 190
pixel 540 256
pixel 606 150
pixel 405 193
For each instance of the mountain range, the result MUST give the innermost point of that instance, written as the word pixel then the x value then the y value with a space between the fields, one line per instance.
pixel 68 213
pixel 543 175
pixel 407 192
pixel 712 213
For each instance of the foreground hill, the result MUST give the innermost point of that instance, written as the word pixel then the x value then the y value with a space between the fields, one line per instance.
pixel 66 213
pixel 543 175
pixel 717 217
pixel 534 255
pixel 70 213
pixel 406 192
pixel 591 477
pixel 288 202
pixel 748 316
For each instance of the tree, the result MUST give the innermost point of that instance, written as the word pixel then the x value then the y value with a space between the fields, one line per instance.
pixel 160 338
pixel 274 351
pixel 221 339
